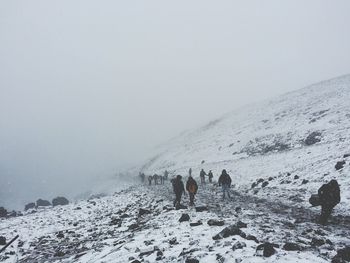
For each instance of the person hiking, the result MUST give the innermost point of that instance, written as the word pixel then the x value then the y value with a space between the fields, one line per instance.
pixel 179 189
pixel 192 188
pixel 150 178
pixel 166 175
pixel 202 176
pixel 210 176
pixel 225 183
pixel 155 178
pixel 329 197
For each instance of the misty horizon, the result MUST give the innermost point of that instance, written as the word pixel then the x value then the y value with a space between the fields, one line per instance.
pixel 91 89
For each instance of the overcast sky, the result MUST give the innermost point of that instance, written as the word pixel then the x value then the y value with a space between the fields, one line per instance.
pixel 88 87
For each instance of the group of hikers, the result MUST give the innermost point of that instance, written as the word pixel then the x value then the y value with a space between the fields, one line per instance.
pixel 328 195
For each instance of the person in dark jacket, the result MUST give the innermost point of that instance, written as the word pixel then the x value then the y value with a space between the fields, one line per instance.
pixel 202 176
pixel 329 197
pixel 150 178
pixel 166 175
pixel 225 183
pixel 210 176
pixel 155 178
pixel 179 189
pixel 192 188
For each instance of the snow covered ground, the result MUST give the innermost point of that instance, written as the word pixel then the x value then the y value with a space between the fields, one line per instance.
pixel 291 143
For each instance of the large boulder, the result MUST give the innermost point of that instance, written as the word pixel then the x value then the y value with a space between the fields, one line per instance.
pixel 29 206
pixel 42 202
pixel 213 222
pixel 184 217
pixel 228 231
pixel 343 255
pixel 267 249
pixel 339 165
pixel 3 212
pixel 60 201
pixel 313 138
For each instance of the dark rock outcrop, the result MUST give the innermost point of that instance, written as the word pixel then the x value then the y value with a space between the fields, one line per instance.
pixel 313 138
pixel 343 255
pixel 144 212
pixel 196 223
pixel 2 241
pixel 267 249
pixel 339 165
pixel 41 202
pixel 184 217
pixel 213 222
pixel 289 246
pixel 60 201
pixel 228 231
pixel 29 206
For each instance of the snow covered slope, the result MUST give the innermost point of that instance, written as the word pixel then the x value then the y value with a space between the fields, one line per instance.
pixel 293 142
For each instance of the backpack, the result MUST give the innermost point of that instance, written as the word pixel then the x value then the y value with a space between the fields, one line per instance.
pixel 192 188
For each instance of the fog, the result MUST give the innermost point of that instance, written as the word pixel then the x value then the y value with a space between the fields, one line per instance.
pixel 89 88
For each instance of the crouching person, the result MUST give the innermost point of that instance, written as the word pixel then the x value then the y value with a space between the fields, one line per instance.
pixel 192 188
pixel 328 197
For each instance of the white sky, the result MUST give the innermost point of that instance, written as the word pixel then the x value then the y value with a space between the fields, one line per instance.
pixel 87 87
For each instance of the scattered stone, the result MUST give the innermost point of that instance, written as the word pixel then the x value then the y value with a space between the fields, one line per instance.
pixel 191 260
pixel 184 217
pixel 304 181
pixel 317 242
pixel 260 180
pixel 133 226
pixel 238 245
pixel 213 222
pixel 60 201
pixel 116 222
pixel 289 246
pixel 343 255
pixel 267 249
pixel 220 258
pixel 270 178
pixel 29 206
pixel 173 241
pixel 136 261
pixel 144 212
pixel 2 241
pixel 254 185
pixel 296 177
pixel 201 208
pixel 346 155
pixel 238 209
pixel 313 138
pixel 339 165
pixel 60 235
pixel 196 223
pixel 241 224
pixel 264 184
pixel 228 231
pixel 41 202
pixel 180 206
pixel 251 237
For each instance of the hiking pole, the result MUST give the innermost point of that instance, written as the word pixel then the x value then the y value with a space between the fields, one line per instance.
pixel 9 243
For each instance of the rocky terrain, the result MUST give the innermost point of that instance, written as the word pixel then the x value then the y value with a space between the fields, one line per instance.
pixel 140 225
pixel 278 153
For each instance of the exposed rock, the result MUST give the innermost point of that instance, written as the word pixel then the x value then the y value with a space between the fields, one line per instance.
pixel 296 177
pixel 180 206
pixel 173 241
pixel 267 249
pixel 29 206
pixel 241 224
pixel 133 226
pixel 144 212
pixel 343 255
pixel 213 222
pixel 264 184
pixel 191 260
pixel 238 209
pixel 220 258
pixel 184 217
pixel 238 245
pixel 116 222
pixel 201 208
pixel 196 223
pixel 251 237
pixel 346 155
pixel 339 165
pixel 313 138
pixel 41 202
pixel 317 242
pixel 304 181
pixel 60 235
pixel 60 200
pixel 228 231
pixel 254 185
pixel 289 246
pixel 2 241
